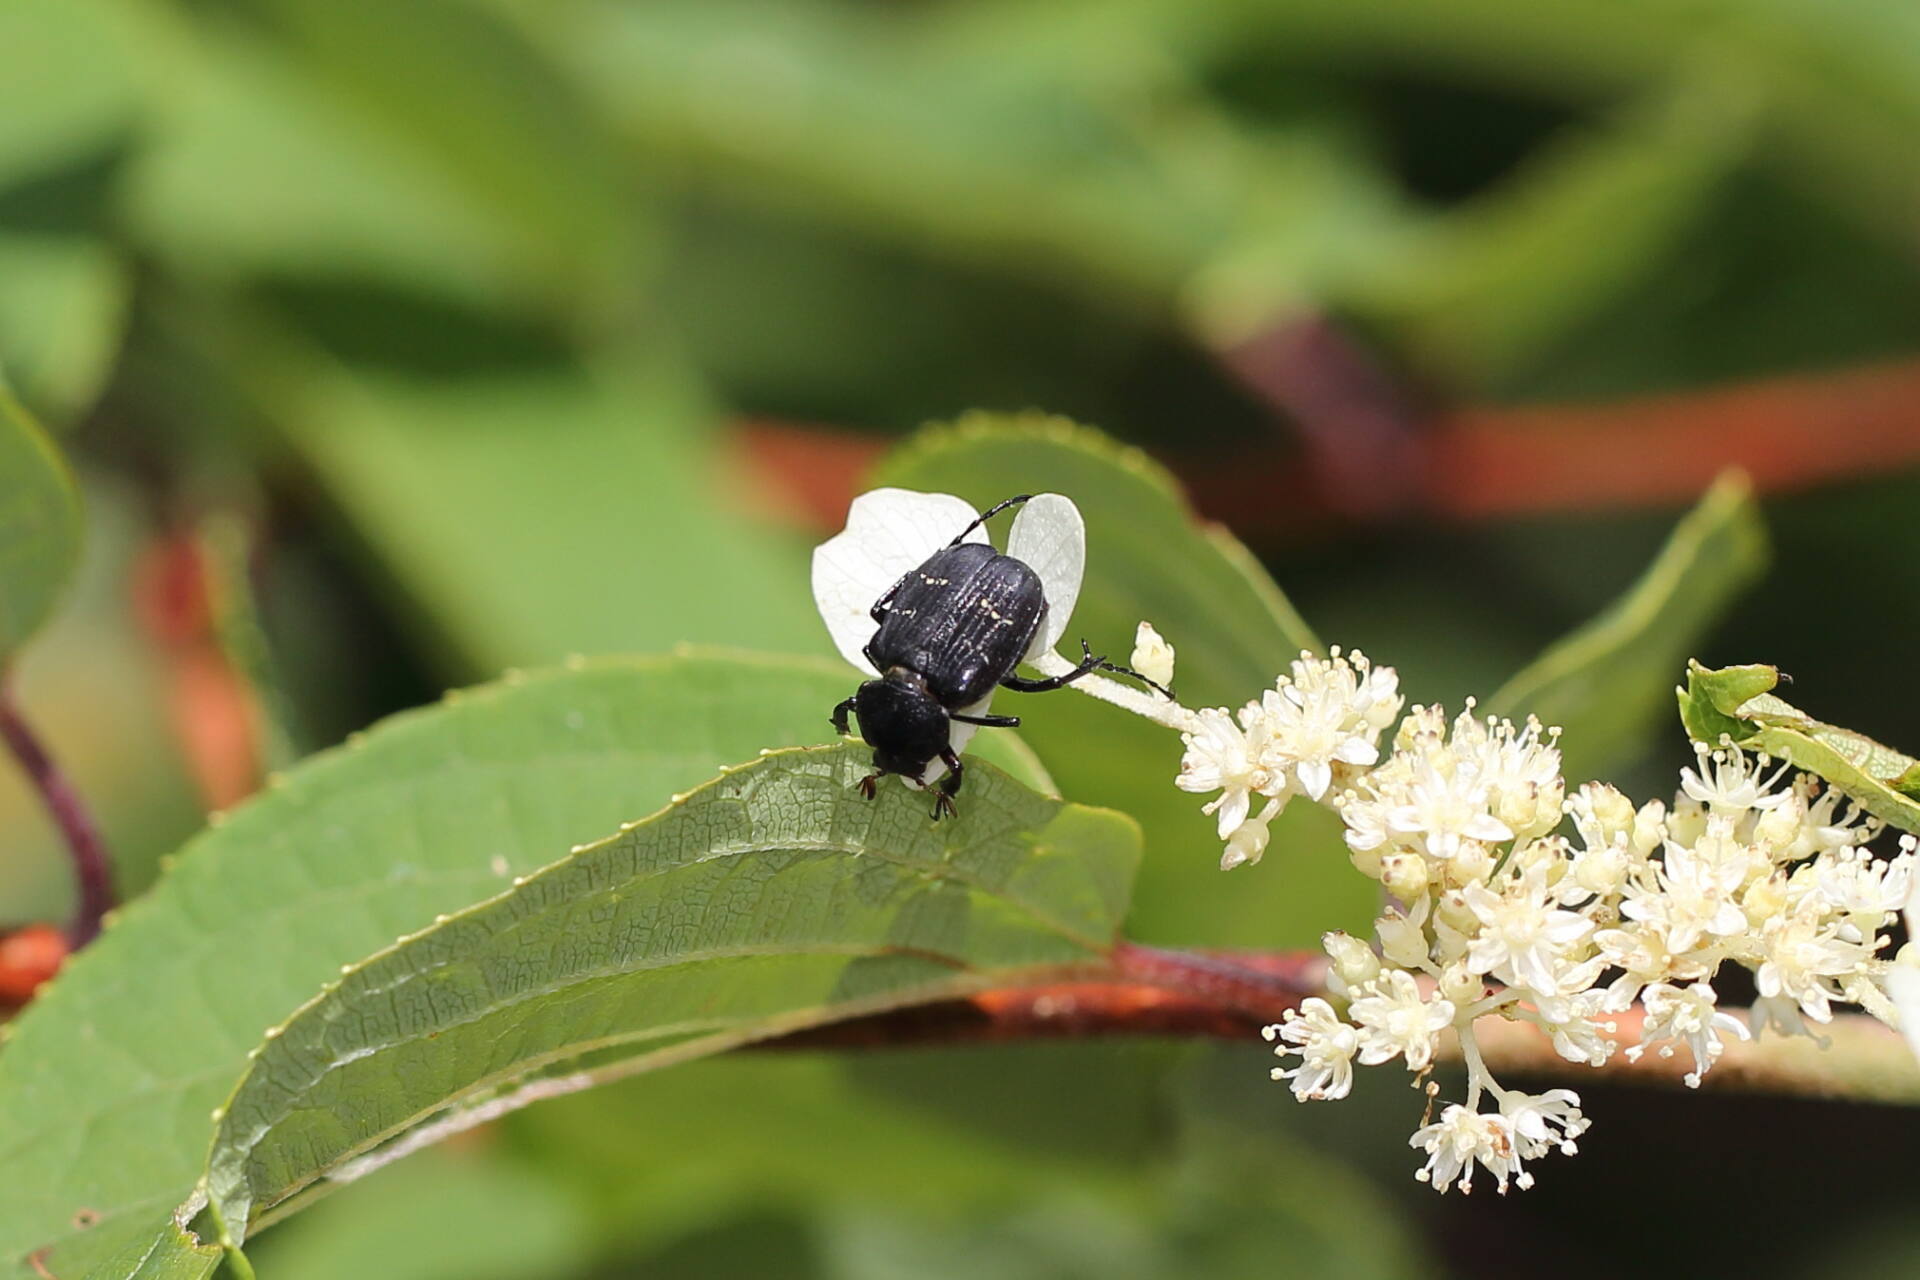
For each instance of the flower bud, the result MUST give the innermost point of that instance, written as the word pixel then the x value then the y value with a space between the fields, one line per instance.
pixel 1455 915
pixel 1472 861
pixel 1247 843
pixel 1649 828
pixel 1602 871
pixel 1353 960
pixel 1612 813
pixel 1764 899
pixel 1401 940
pixel 1778 828
pixel 1460 986
pixel 1404 875
pixel 1152 655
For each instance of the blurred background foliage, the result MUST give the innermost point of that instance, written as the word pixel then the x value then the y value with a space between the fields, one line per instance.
pixel 401 341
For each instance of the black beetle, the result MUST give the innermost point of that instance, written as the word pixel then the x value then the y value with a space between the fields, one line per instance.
pixel 950 631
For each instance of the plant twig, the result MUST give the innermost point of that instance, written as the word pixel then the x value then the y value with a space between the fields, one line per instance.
pixel 1362 430
pixel 1231 995
pixel 1477 461
pixel 91 869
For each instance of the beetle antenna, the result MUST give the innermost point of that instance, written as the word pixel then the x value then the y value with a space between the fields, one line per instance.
pixel 1117 669
pixel 989 514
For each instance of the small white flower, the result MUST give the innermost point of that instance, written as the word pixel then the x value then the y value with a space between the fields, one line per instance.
pixel 1805 956
pixel 1395 1020
pixel 1326 1047
pixel 1524 937
pixel 1459 1140
pixel 1544 1121
pixel 1221 756
pixel 1521 768
pixel 1903 980
pixel 1686 1014
pixel 1642 957
pixel 1854 882
pixel 1443 810
pixel 1578 1035
pixel 1781 1015
pixel 1329 713
pixel 1824 828
pixel 1696 894
pixel 1727 783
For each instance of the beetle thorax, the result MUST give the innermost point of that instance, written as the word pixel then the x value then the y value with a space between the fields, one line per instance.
pixel 902 721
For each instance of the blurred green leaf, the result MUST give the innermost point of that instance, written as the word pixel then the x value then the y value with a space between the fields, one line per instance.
pixel 1238 1192
pixel 907 123
pixel 527 515
pixel 1487 286
pixel 773 898
pixel 475 103
pixel 69 82
pixel 420 144
pixel 108 1076
pixel 746 1132
pixel 40 525
pixel 62 303
pixel 1738 703
pixel 1605 683
pixel 449 1213
pixel 1149 557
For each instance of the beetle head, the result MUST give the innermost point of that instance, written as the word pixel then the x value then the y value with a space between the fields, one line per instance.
pixel 902 721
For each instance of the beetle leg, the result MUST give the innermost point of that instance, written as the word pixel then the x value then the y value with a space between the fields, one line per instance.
pixel 948 787
pixel 988 722
pixel 840 717
pixel 989 514
pixel 1020 684
pixel 869 785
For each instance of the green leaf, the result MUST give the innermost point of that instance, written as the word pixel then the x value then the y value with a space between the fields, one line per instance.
pixel 69 82
pixel 174 1254
pixel 1149 557
pixel 420 144
pixel 109 1076
pixel 774 898
pixel 928 1130
pixel 39 525
pixel 60 318
pixel 608 528
pixel 1737 703
pixel 472 1211
pixel 1485 288
pixel 1605 682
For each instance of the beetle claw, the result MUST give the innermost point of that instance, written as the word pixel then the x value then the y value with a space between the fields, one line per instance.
pixel 943 806
pixel 869 785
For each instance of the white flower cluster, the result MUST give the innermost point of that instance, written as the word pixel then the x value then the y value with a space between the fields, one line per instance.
pixel 1318 726
pixel 1495 913
pixel 1493 910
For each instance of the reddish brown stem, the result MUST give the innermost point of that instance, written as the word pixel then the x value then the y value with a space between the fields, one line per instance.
pixel 1149 992
pixel 91 869
pixel 1361 429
